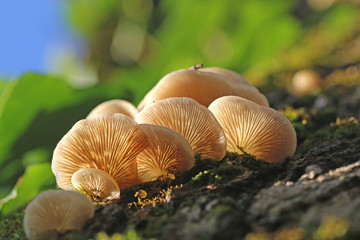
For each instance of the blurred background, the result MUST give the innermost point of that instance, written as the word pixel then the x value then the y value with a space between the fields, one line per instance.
pixel 59 59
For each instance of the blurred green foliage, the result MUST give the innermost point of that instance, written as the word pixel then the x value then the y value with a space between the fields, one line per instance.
pixel 132 44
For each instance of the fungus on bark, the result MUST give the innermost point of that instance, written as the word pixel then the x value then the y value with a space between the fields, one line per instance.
pixel 231 75
pixel 97 184
pixel 192 120
pixel 108 142
pixel 254 129
pixel 55 212
pixel 115 106
pixel 202 86
pixel 168 153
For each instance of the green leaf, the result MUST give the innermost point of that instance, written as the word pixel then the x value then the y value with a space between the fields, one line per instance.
pixel 37 178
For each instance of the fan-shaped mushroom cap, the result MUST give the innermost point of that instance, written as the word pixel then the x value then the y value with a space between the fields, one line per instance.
pixel 56 211
pixel 99 185
pixel 109 142
pixel 258 130
pixel 204 87
pixel 115 106
pixel 192 120
pixel 168 152
pixel 231 75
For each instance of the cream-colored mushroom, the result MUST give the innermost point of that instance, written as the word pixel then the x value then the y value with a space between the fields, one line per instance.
pixel 254 129
pixel 109 142
pixel 192 120
pixel 168 152
pixel 202 86
pixel 305 82
pixel 115 106
pixel 96 183
pixel 231 75
pixel 55 212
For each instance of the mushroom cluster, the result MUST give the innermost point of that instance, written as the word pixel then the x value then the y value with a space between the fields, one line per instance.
pixel 190 112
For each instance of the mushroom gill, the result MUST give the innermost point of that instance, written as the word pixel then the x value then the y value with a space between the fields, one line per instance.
pixel 97 184
pixel 56 211
pixel 109 142
pixel 168 152
pixel 192 120
pixel 115 106
pixel 254 129
pixel 202 86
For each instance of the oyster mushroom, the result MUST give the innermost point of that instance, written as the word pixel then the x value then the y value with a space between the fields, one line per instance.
pixel 56 211
pixel 97 184
pixel 254 129
pixel 115 106
pixel 202 86
pixel 305 82
pixel 168 152
pixel 108 142
pixel 231 75
pixel 192 120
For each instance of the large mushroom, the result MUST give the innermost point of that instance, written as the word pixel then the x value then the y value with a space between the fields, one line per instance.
pixel 108 142
pixel 115 106
pixel 192 120
pixel 168 152
pixel 55 212
pixel 231 75
pixel 254 129
pixel 202 86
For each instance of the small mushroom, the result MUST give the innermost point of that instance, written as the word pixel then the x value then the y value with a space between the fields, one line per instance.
pixel 109 142
pixel 202 86
pixel 97 184
pixel 254 129
pixel 231 75
pixel 305 82
pixel 115 106
pixel 168 152
pixel 192 120
pixel 56 211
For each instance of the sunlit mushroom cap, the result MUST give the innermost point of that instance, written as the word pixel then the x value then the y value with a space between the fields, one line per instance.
pixel 168 152
pixel 56 211
pixel 97 184
pixel 257 130
pixel 192 120
pixel 109 142
pixel 204 87
pixel 231 75
pixel 115 106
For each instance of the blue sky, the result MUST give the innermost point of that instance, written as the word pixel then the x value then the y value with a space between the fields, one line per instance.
pixel 30 31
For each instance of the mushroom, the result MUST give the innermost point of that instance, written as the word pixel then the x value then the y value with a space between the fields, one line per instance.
pixel 97 184
pixel 115 106
pixel 168 152
pixel 254 129
pixel 192 120
pixel 231 75
pixel 202 86
pixel 305 82
pixel 109 142
pixel 56 211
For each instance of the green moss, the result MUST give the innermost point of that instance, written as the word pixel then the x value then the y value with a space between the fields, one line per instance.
pixel 343 128
pixel 12 227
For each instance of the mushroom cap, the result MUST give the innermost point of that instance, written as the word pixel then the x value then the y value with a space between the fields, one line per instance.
pixel 168 152
pixel 109 142
pixel 98 184
pixel 231 75
pixel 202 86
pixel 115 106
pixel 305 82
pixel 55 211
pixel 258 130
pixel 192 120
